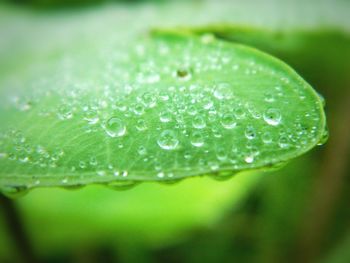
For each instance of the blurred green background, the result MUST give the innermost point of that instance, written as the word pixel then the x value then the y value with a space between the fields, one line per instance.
pixel 299 213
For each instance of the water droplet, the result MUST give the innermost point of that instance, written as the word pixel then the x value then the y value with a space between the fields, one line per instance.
pixel 187 155
pixel 269 97
pixel 249 158
pixel 101 173
pixel 283 141
pixel 115 127
pixel 272 117
pixel 91 117
pixel 192 110
pixel 223 91
pixel 221 153
pixel 198 122
pixel 165 116
pixel 142 150
pixel 250 132
pixel 138 109
pixel 64 112
pixel 82 164
pixel 197 139
pixel 14 191
pixel 148 100
pixel 207 103
pixel 266 137
pixel 93 161
pixel 239 113
pixel 160 175
pixel 168 140
pixel 324 137
pixel 141 125
pixel 228 121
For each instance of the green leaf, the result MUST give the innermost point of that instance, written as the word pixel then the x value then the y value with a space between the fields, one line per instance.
pixel 171 106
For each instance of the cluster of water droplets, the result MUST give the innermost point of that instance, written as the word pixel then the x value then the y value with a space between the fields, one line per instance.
pixel 162 119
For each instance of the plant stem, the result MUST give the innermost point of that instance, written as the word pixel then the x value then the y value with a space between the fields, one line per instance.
pixel 16 229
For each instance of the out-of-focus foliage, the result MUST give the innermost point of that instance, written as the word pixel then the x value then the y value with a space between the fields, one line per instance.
pixel 282 211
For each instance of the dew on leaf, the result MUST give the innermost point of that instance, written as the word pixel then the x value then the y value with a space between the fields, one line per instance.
pixel 228 121
pixel 250 132
pixel 272 116
pixel 197 139
pixel 168 140
pixel 114 127
pixel 198 122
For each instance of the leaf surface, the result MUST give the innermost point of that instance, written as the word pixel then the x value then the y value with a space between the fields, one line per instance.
pixel 171 107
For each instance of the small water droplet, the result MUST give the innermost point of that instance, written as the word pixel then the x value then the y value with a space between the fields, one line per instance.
pixel 148 100
pixel 266 137
pixel 198 122
pixel 250 133
pixel 142 150
pixel 283 141
pixel 197 139
pixel 64 112
pixel 239 113
pixel 114 127
pixel 82 164
pixel 93 161
pixel 228 121
pixel 165 116
pixel 249 158
pixel 168 140
pixel 223 91
pixel 141 125
pixel 91 117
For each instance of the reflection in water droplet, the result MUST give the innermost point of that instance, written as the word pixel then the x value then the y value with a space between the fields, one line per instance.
pixel 168 140
pixel 114 127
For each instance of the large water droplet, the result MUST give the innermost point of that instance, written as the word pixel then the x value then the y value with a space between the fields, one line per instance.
pixel 168 140
pixel 272 117
pixel 114 127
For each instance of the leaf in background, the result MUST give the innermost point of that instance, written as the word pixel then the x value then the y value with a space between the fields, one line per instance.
pixel 173 107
